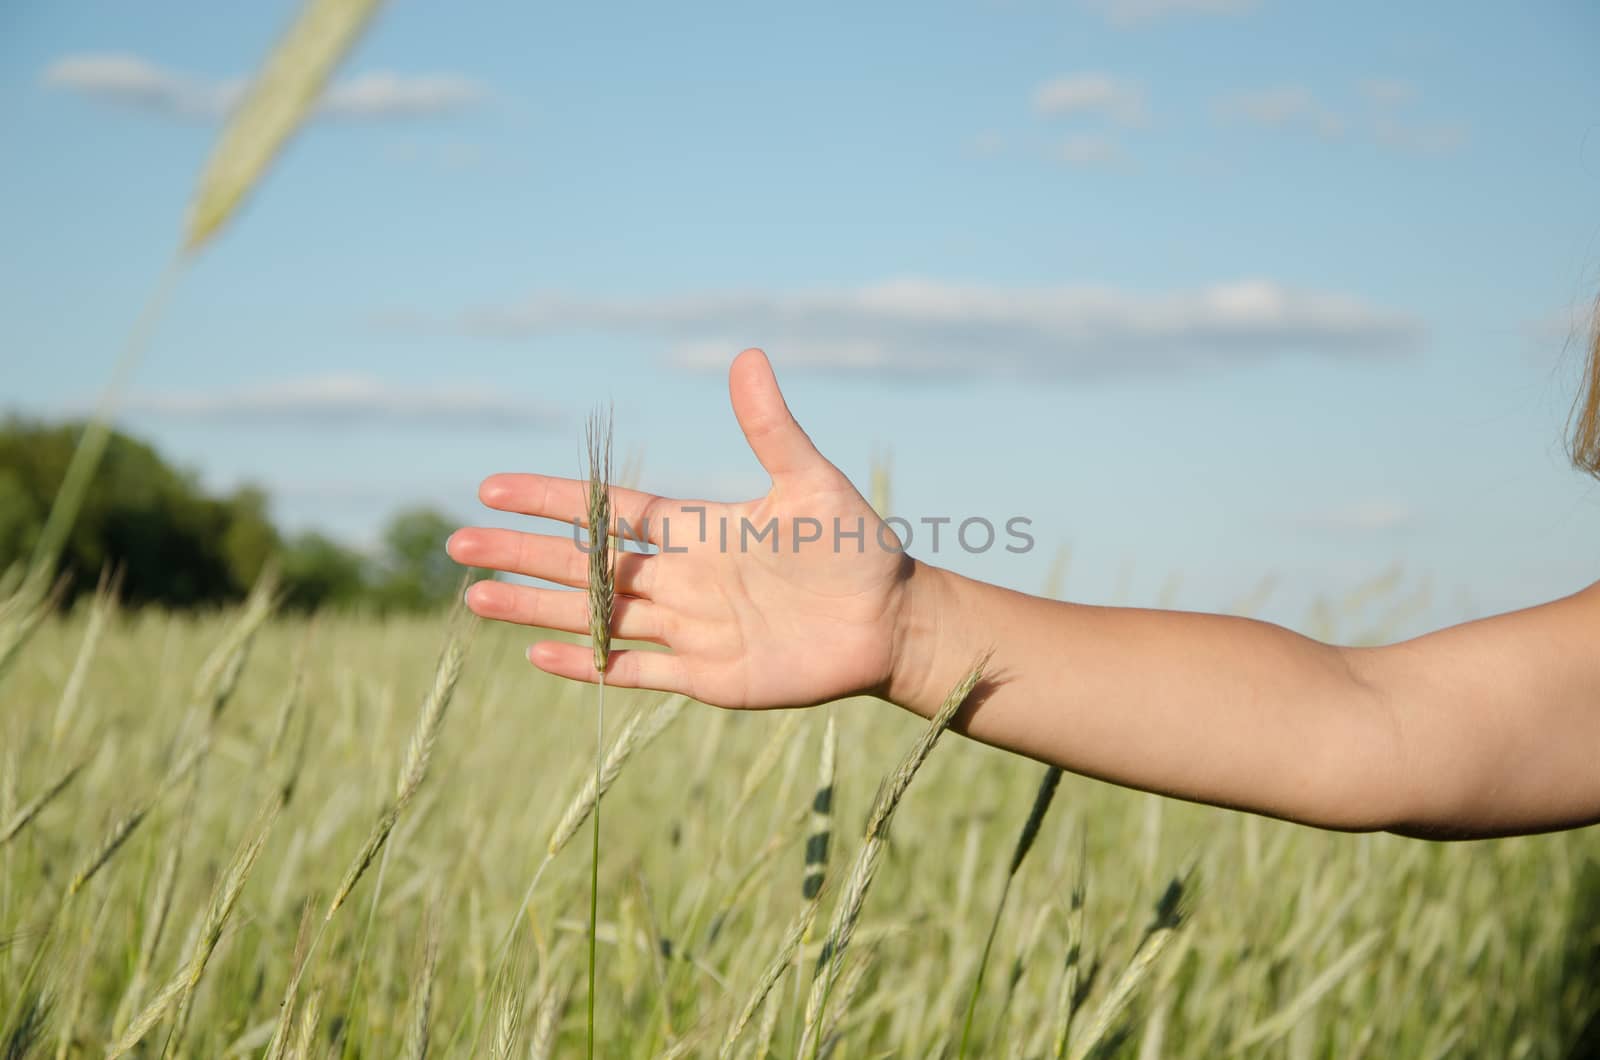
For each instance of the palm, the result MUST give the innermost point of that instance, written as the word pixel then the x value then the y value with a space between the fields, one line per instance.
pixel 760 604
pixel 780 623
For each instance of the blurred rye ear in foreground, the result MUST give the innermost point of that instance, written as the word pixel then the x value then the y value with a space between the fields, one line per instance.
pixel 276 103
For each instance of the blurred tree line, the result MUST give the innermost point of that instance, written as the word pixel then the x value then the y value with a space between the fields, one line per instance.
pixel 176 546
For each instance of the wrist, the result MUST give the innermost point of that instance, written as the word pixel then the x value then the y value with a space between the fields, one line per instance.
pixel 922 638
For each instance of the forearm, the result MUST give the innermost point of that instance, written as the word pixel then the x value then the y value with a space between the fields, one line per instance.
pixel 1216 709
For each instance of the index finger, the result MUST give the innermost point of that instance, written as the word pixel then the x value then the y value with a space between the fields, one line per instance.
pixel 567 499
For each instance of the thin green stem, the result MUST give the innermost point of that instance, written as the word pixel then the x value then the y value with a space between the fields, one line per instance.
pixel 983 964
pixel 594 865
pixel 366 936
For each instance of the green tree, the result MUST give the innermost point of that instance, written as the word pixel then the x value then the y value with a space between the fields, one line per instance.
pixel 250 539
pixel 140 514
pixel 20 518
pixel 319 572
pixel 415 573
pixel 179 547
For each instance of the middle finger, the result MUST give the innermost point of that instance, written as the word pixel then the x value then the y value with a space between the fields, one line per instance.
pixel 555 559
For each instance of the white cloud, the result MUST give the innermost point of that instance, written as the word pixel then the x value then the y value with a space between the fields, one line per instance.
pixel 1284 107
pixel 1127 13
pixel 1294 107
pixel 134 81
pixel 1092 93
pixel 1388 92
pixel 385 95
pixel 1090 151
pixel 1440 138
pixel 1368 516
pixel 932 329
pixel 343 400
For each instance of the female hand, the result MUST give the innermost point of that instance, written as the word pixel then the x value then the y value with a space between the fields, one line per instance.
pixel 790 599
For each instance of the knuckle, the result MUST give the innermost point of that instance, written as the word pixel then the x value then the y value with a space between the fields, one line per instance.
pixel 527 552
pixel 528 607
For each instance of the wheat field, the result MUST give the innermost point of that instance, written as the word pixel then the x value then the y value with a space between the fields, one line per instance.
pixel 249 834
pixel 1288 943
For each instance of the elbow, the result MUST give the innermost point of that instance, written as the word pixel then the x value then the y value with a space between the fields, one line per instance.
pixel 1364 775
pixel 1389 779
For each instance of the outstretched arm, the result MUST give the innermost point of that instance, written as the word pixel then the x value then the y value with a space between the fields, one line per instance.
pixel 1487 728
pixel 1480 729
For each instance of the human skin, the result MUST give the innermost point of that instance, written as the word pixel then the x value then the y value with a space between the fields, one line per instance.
pixel 1485 728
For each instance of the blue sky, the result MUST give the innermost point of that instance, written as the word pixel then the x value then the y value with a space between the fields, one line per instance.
pixel 1212 288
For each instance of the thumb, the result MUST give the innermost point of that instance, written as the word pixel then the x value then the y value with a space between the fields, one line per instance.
pixel 768 425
